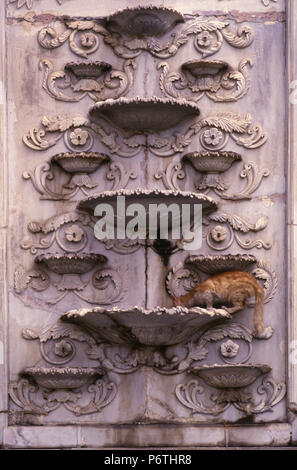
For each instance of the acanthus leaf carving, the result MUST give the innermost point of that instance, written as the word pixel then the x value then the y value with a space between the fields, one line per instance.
pixel 220 87
pixel 110 84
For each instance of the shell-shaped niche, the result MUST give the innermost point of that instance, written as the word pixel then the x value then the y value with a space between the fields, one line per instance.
pixel 221 263
pixel 144 114
pixel 71 263
pixel 65 378
pixel 156 327
pixel 143 20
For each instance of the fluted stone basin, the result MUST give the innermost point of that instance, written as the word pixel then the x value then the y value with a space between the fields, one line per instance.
pixel 221 263
pixel 156 327
pixel 144 114
pixel 71 263
pixel 80 162
pixel 87 69
pixel 62 377
pixel 229 375
pixel 200 68
pixel 144 20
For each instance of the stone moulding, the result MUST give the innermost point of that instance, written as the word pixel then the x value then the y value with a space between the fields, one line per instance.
pixel 231 381
pixel 145 20
pixel 145 114
pixel 156 327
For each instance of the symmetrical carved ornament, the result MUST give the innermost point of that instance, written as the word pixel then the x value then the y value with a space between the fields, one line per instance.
pixel 213 133
pixel 104 286
pixel 128 42
pixel 213 79
pixel 231 382
pixel 79 165
pixel 97 80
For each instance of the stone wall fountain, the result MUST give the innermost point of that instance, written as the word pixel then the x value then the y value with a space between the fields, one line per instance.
pixel 113 348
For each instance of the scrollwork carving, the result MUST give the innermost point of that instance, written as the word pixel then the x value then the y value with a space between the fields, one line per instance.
pixel 102 393
pixel 218 85
pixel 110 84
pixel 273 393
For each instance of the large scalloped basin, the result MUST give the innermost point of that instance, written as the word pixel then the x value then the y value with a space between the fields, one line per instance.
pixel 147 197
pixel 146 20
pixel 155 327
pixel 144 114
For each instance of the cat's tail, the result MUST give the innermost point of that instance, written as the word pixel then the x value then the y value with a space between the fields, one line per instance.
pixel 260 330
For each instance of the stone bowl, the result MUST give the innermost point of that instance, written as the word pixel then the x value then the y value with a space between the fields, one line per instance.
pixel 88 69
pixel 221 263
pixel 212 162
pixel 159 326
pixel 80 162
pixel 144 114
pixel 71 263
pixel 199 68
pixel 229 375
pixel 144 20
pixel 62 377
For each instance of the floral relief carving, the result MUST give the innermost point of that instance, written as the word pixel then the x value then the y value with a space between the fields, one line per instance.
pixel 213 133
pixel 97 80
pixel 83 38
pixel 231 382
pixel 79 165
pixel 206 78
pixel 103 286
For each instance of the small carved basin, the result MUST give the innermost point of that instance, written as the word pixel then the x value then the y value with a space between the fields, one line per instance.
pixel 212 162
pixel 199 68
pixel 71 263
pixel 144 21
pixel 62 377
pixel 87 69
pixel 144 114
pixel 229 375
pixel 156 327
pixel 80 162
pixel 221 263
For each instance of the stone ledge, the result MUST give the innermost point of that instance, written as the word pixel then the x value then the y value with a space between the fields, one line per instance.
pixel 147 436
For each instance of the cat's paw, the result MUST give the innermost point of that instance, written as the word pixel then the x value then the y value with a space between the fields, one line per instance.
pixel 266 334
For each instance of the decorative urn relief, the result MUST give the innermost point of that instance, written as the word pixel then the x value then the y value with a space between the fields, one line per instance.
pixel 211 165
pixel 71 266
pixel 80 165
pixel 145 114
pixel 156 327
pixel 144 20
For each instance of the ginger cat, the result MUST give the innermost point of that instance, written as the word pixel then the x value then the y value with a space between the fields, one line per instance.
pixel 232 288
